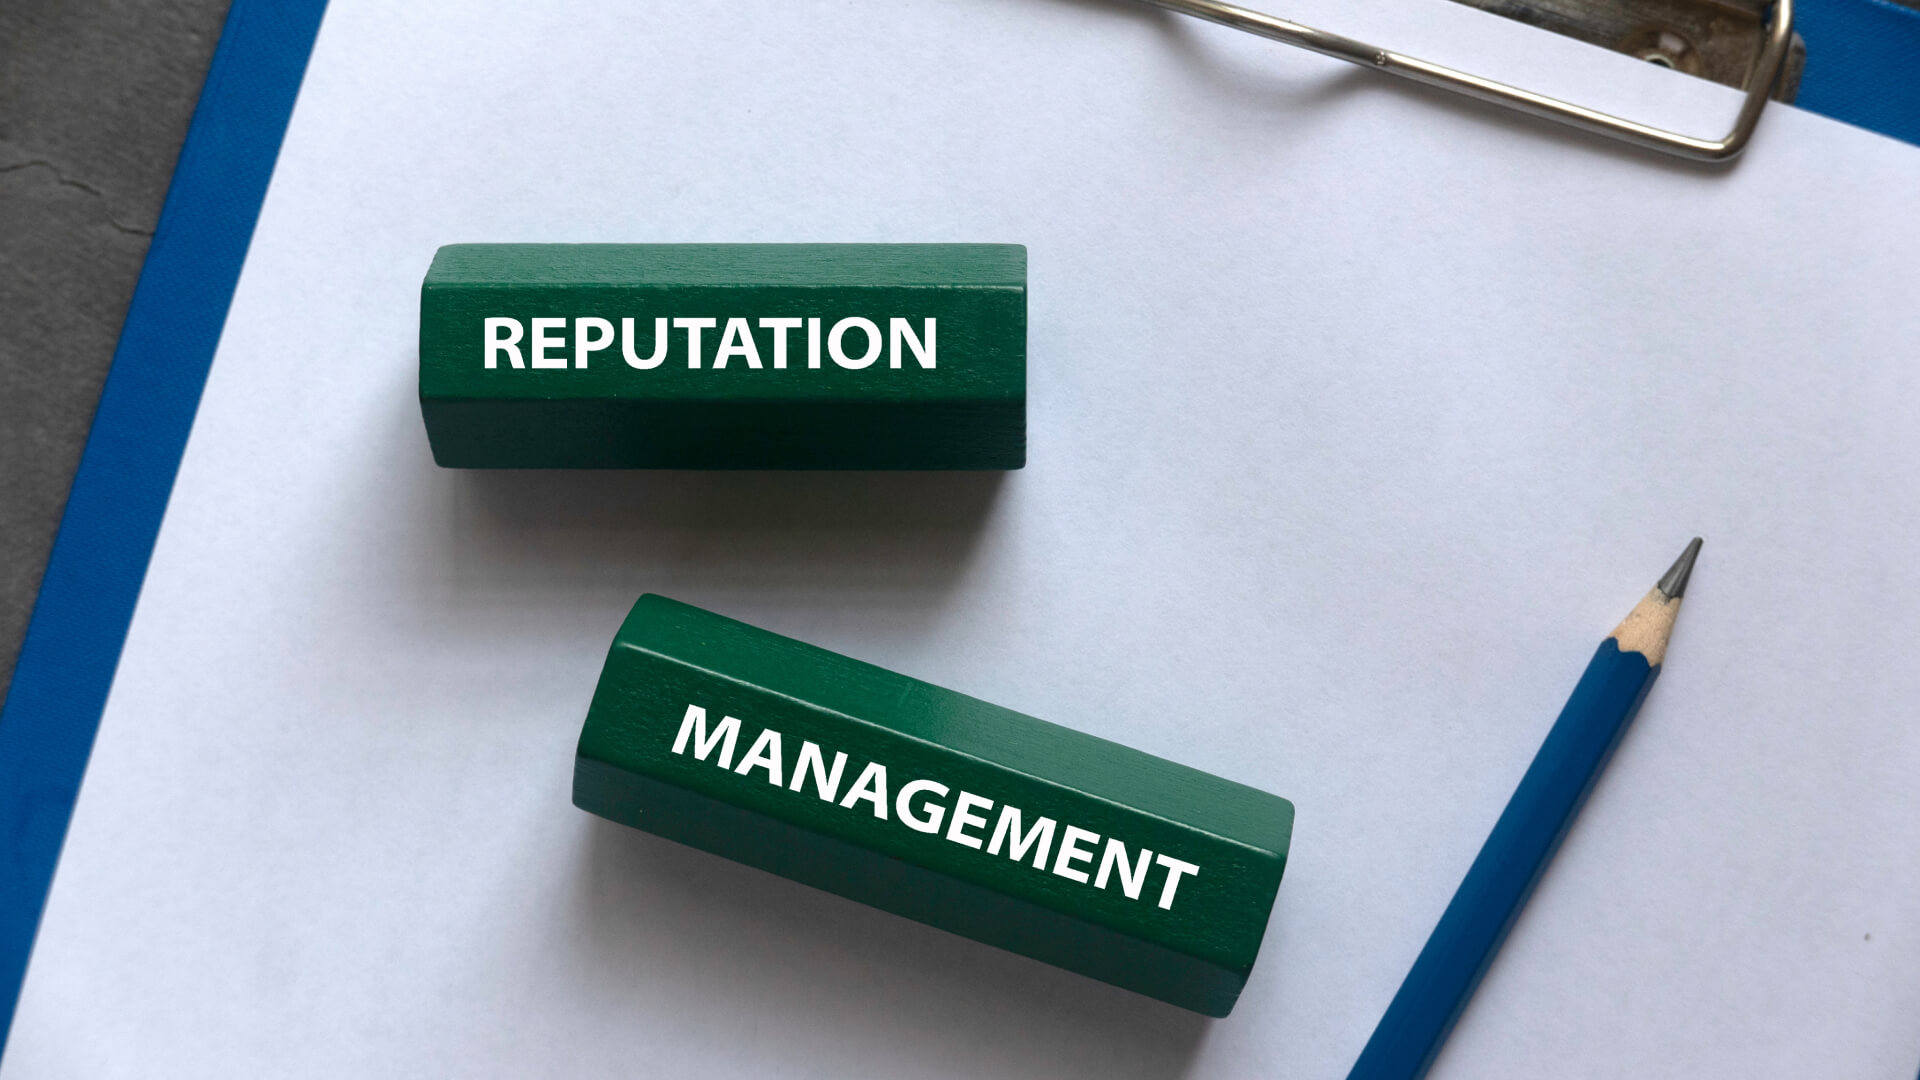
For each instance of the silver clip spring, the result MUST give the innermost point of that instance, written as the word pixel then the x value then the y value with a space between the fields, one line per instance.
pixel 1760 81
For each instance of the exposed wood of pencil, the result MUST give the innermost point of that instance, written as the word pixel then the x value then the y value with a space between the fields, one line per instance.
pixel 1647 628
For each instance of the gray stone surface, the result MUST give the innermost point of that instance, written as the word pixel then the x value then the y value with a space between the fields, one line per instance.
pixel 95 98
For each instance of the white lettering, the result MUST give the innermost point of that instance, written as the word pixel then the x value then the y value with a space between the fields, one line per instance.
pixel 737 340
pixel 871 787
pixel 693 328
pixel 903 805
pixel 1175 868
pixel 764 754
pixel 542 342
pixel 898 329
pixel 836 342
pixel 823 782
pixel 509 345
pixel 585 343
pixel 1132 876
pixel 813 343
pixel 1071 852
pixel 963 818
pixel 1040 837
pixel 695 725
pixel 780 328
pixel 659 345
pixel 922 805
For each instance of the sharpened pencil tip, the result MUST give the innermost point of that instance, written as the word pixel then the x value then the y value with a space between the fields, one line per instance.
pixel 1673 585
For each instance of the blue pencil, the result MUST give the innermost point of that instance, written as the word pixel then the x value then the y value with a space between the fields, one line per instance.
pixel 1523 841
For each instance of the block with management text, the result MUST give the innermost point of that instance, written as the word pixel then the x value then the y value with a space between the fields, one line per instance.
pixel 725 356
pixel 933 805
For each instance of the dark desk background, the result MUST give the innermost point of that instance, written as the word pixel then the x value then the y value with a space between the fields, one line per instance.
pixel 94 103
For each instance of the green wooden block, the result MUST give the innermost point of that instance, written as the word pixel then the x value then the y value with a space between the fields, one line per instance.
pixel 726 356
pixel 933 805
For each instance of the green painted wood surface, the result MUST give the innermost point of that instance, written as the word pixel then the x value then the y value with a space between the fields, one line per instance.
pixel 676 742
pixel 945 387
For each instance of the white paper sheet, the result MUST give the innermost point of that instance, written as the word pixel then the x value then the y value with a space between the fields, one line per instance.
pixel 1358 416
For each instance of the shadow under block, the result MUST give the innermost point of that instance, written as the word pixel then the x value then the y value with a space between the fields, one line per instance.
pixel 933 805
pixel 725 356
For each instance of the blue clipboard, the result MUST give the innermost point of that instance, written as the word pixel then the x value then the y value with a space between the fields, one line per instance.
pixel 1860 70
pixel 1863 64
pixel 139 433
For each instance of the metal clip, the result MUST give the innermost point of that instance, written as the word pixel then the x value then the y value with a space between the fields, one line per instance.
pixel 1759 82
pixel 1711 39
